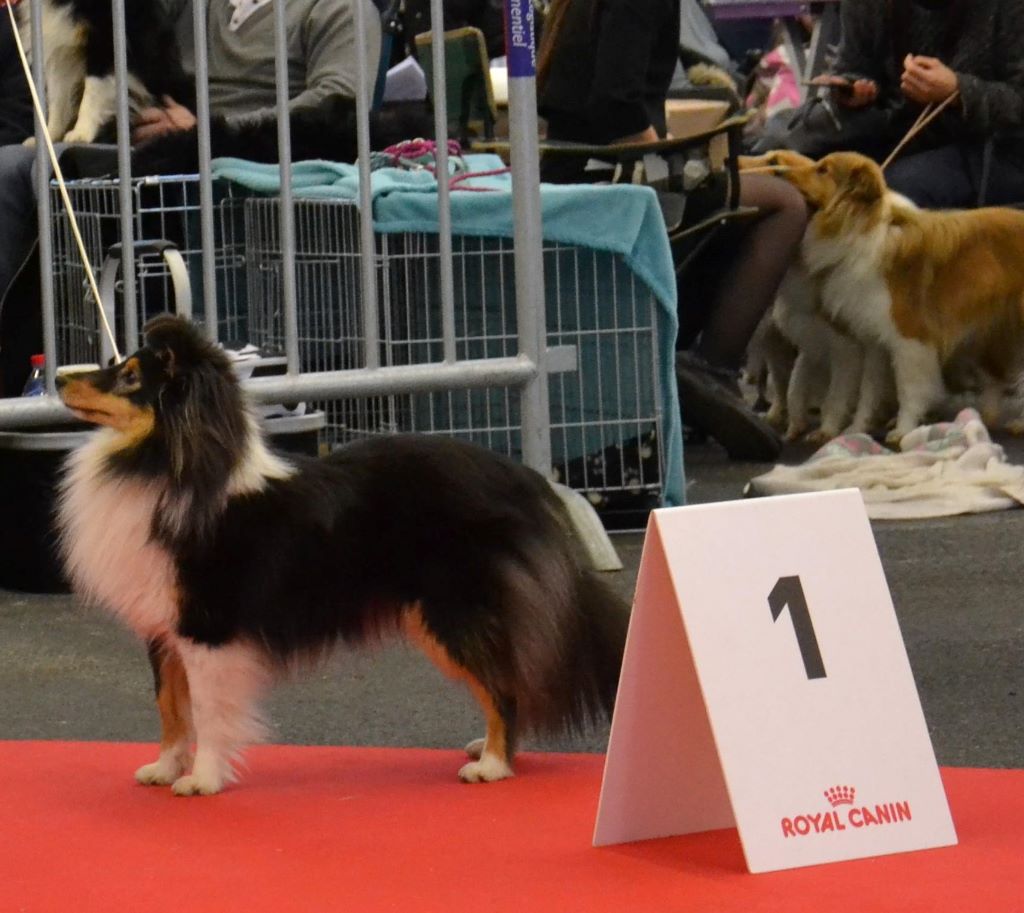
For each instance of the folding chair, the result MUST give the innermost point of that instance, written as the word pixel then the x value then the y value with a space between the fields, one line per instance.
pixel 687 234
pixel 470 97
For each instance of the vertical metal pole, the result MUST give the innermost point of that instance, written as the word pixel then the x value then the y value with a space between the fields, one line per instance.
pixel 444 208
pixel 287 207
pixel 43 205
pixel 207 237
pixel 367 239
pixel 529 261
pixel 130 323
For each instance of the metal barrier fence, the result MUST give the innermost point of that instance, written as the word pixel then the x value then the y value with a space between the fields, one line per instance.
pixel 415 332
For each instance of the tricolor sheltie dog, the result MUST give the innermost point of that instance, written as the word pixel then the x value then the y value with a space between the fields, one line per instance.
pixel 236 565
pixel 78 63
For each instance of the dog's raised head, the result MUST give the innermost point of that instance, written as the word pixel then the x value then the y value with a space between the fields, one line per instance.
pixel 845 187
pixel 176 399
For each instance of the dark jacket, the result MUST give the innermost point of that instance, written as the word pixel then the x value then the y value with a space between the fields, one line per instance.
pixel 15 102
pixel 610 69
pixel 486 15
pixel 981 40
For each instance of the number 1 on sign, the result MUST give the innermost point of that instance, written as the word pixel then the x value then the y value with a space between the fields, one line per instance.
pixel 790 592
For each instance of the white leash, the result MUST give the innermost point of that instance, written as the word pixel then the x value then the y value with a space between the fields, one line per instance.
pixel 90 275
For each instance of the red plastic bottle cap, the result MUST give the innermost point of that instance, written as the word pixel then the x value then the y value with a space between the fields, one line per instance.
pixel 38 361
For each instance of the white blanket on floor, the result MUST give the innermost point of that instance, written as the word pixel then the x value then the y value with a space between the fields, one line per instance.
pixel 941 470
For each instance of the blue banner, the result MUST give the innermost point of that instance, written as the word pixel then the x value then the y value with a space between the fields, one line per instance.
pixel 519 43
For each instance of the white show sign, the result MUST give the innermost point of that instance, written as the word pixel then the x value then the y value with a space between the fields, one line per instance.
pixel 766 685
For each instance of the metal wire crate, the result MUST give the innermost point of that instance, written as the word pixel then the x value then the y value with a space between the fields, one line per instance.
pixel 166 209
pixel 605 416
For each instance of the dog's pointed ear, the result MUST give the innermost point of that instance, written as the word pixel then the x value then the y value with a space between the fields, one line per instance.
pixel 176 341
pixel 864 181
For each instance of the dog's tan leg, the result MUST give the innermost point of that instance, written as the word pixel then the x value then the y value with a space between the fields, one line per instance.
pixel 492 755
pixel 172 700
pixel 494 760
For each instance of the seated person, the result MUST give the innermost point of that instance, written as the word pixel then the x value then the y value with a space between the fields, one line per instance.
pixel 900 55
pixel 486 15
pixel 15 103
pixel 603 75
pixel 322 67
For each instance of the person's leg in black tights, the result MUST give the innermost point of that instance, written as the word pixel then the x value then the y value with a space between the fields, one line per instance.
pixel 750 282
pixel 748 279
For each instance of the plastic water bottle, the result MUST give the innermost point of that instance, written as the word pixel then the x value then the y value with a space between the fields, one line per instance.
pixel 36 383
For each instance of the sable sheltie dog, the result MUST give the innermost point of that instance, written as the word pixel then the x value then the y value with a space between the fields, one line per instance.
pixel 828 365
pixel 236 564
pixel 78 63
pixel 922 285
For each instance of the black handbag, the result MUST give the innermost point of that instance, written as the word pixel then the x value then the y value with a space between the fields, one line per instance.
pixel 820 126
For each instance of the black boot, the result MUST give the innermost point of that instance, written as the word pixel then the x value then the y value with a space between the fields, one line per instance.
pixel 710 400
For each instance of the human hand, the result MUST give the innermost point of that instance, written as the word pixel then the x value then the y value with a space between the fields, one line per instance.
pixel 926 79
pixel 170 117
pixel 858 93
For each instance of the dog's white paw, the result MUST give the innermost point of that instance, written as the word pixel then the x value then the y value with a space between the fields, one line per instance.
pixel 162 772
pixel 488 769
pixel 30 142
pixel 776 416
pixel 193 785
pixel 475 749
pixel 80 136
pixel 893 438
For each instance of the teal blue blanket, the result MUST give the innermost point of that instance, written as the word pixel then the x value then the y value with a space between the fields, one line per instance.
pixel 621 219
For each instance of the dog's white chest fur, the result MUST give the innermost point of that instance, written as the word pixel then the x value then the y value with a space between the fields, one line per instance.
pixel 106 538
pixel 853 289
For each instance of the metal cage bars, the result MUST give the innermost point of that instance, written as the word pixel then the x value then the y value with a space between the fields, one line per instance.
pixel 527 370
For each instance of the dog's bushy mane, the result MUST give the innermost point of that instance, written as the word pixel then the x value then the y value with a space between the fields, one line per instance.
pixel 203 428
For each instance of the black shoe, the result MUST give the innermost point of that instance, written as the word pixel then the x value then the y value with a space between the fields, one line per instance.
pixel 710 400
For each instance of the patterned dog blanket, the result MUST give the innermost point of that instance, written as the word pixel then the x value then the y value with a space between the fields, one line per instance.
pixel 940 470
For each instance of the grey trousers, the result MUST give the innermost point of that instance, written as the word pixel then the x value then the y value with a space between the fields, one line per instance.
pixel 18 224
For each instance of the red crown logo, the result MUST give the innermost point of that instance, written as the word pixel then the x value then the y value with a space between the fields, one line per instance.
pixel 840 795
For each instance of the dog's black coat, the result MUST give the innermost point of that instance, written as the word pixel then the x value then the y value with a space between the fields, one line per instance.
pixel 342 547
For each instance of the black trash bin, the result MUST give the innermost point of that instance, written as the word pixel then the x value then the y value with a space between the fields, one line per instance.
pixel 30 467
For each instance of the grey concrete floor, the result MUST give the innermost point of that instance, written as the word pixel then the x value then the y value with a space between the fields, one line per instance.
pixel 69 672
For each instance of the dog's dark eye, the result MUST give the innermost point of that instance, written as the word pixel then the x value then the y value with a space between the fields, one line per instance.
pixel 130 378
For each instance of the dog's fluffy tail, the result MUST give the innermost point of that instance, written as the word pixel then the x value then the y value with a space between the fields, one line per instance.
pixel 568 643
pixel 603 621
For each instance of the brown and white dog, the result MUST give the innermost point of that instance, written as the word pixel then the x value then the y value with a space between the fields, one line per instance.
pixel 921 286
pixel 827 369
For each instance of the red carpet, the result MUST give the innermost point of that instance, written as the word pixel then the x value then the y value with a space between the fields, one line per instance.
pixel 313 830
